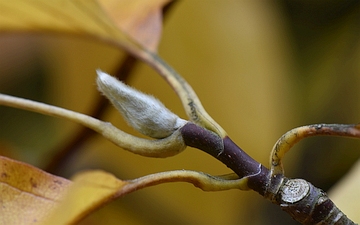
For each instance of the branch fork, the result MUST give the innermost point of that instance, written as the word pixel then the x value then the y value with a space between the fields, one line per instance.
pixel 171 134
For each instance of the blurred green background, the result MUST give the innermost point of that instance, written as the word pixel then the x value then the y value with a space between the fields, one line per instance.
pixel 260 68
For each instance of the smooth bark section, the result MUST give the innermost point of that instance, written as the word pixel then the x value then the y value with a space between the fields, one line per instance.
pixel 201 138
pixel 231 155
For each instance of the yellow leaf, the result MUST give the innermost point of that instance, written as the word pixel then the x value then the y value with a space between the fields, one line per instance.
pixel 27 193
pixel 90 190
pixel 141 19
pixel 86 18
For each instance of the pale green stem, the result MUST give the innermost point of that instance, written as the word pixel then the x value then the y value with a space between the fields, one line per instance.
pixel 191 103
pixel 169 146
pixel 290 138
pixel 201 180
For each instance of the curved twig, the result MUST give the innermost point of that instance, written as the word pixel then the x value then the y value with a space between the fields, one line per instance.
pixel 191 103
pixel 295 135
pixel 165 147
pixel 204 181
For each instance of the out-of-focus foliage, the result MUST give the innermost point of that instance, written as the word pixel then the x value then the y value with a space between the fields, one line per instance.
pixel 260 69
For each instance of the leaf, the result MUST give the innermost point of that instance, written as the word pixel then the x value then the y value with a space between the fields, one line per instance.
pixel 88 18
pixel 90 190
pixel 27 193
pixel 94 189
pixel 141 19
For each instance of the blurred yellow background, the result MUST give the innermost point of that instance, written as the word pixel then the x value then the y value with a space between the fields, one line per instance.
pixel 260 68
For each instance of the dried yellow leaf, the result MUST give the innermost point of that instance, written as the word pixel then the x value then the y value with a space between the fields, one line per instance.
pixel 90 190
pixel 27 193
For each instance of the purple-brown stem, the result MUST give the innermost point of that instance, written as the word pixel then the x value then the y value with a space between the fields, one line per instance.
pixel 228 153
pixel 304 202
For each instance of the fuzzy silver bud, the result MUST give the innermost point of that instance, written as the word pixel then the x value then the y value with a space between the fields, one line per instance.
pixel 141 111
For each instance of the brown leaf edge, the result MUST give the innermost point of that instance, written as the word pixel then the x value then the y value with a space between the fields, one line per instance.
pixel 32 196
pixel 27 193
pixel 93 189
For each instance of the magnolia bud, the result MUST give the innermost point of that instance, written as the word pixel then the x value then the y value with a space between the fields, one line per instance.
pixel 141 111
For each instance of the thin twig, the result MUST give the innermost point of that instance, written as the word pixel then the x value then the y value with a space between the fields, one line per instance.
pixel 165 147
pixel 290 138
pixel 204 181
